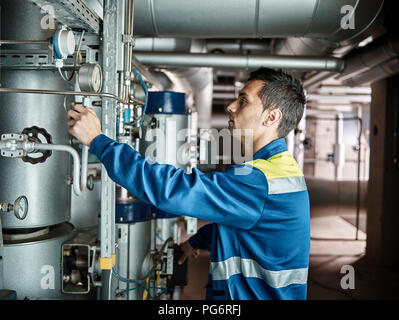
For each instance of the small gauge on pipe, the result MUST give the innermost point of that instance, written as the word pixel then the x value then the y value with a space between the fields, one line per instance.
pixel 90 77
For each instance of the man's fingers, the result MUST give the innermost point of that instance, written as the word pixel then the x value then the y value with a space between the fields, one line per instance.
pixel 73 115
pixel 71 123
pixel 78 108
pixel 91 111
pixel 196 253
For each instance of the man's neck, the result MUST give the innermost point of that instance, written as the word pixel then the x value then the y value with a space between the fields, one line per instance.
pixel 261 142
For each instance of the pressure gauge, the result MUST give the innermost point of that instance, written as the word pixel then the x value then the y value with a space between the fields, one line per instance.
pixel 21 207
pixel 90 77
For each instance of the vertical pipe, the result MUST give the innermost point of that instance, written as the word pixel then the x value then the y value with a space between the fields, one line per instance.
pixel 338 156
pixel 358 175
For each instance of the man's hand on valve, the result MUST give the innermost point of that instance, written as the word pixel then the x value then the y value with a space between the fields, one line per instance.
pixel 83 124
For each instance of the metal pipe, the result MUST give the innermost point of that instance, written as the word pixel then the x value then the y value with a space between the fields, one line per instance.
pixel 23 42
pixel 336 98
pixel 344 90
pixel 318 78
pixel 141 69
pixel 238 46
pixel 371 55
pixel 78 188
pixel 166 59
pixel 66 92
pixel 379 72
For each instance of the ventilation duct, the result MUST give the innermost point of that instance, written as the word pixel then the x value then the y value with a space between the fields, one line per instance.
pixel 254 19
pixel 365 58
pixel 379 72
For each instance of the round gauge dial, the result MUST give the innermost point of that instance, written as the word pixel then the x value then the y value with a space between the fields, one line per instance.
pixel 97 78
pixel 90 77
pixel 21 207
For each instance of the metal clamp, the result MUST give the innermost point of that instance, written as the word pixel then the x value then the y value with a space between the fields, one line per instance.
pixel 15 145
pixel 128 38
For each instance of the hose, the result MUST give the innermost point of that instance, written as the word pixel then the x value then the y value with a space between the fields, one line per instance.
pixel 139 119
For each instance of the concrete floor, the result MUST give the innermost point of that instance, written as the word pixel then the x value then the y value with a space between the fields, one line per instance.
pixel 333 245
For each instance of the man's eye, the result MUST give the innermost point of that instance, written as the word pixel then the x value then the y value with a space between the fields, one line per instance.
pixel 242 101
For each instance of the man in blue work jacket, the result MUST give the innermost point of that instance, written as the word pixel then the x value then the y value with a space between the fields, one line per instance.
pixel 260 236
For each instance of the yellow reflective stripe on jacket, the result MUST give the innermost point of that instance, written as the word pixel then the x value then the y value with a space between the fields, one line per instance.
pixel 282 173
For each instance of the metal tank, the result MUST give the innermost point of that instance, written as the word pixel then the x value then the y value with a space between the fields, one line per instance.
pixel 165 135
pixel 44 184
pixel 32 263
pixel 32 247
pixel 133 229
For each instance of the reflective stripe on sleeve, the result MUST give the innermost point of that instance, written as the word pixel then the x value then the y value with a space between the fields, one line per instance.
pixel 223 270
pixel 286 185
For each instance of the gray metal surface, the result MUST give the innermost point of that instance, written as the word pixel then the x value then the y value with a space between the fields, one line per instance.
pixel 32 268
pixel 252 19
pixel 239 61
pixel 85 209
pixel 20 20
pixel 44 184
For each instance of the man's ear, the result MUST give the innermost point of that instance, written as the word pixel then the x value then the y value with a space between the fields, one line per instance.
pixel 272 116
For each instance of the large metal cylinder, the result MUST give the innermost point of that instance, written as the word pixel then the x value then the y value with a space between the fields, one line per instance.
pixel 23 20
pixel 133 257
pixel 32 266
pixel 44 184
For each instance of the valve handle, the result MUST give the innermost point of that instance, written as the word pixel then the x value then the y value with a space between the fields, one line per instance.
pixel 33 135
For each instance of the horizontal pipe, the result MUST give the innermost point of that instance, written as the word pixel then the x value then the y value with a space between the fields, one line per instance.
pixel 66 92
pixel 164 59
pixel 336 89
pixel 223 87
pixel 23 42
pixel 335 98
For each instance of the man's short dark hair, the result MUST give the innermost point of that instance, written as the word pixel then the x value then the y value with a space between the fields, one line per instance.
pixel 282 91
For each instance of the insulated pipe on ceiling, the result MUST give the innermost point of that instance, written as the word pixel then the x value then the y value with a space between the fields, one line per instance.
pixel 320 19
pixel 239 61
pixel 371 55
pixel 379 72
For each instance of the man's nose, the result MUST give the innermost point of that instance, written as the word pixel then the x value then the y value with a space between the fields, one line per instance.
pixel 230 107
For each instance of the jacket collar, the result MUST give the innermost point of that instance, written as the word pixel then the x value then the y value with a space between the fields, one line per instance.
pixel 275 147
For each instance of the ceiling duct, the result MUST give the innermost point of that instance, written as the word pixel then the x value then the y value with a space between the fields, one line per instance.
pixel 379 72
pixel 367 57
pixel 319 19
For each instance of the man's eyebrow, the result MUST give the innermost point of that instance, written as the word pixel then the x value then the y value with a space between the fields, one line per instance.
pixel 241 94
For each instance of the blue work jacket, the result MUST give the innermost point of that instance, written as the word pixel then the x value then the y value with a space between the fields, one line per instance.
pixel 259 240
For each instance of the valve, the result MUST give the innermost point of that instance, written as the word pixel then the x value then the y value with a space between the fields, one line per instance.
pixel 19 145
pixel 33 134
pixel 20 207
